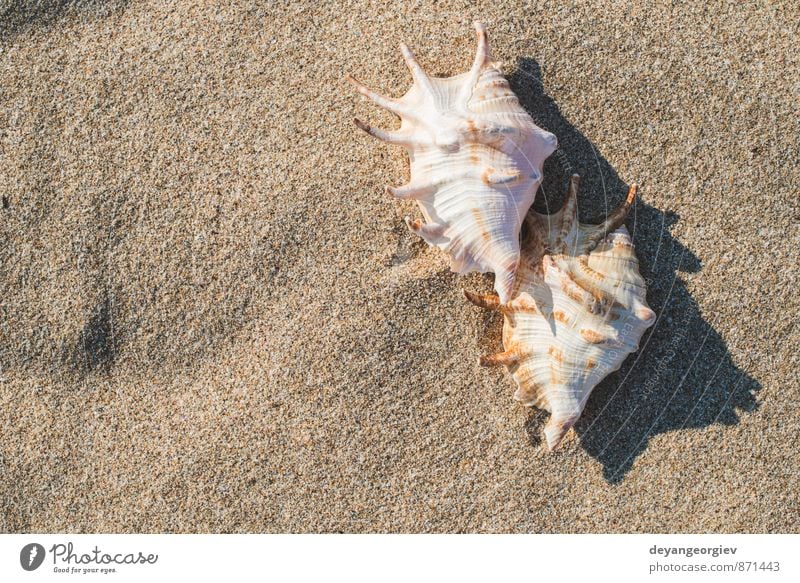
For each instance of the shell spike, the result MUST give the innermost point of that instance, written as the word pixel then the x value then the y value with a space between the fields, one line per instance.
pixel 508 358
pixel 614 220
pixel 483 55
pixel 557 428
pixel 417 72
pixel 488 301
pixel 569 213
pixel 385 102
pixel 388 137
pixel 413 190
pixel 430 232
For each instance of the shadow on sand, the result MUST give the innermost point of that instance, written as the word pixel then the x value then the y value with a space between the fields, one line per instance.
pixel 683 375
pixel 18 16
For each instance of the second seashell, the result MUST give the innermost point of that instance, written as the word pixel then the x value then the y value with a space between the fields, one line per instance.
pixel 578 308
pixel 476 162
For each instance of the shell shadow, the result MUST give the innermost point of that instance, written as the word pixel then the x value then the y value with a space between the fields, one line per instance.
pixel 683 376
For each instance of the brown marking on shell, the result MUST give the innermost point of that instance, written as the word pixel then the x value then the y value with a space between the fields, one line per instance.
pixel 479 220
pixel 591 363
pixel 474 154
pixel 573 291
pixel 583 264
pixel 556 353
pixel 492 302
pixel 586 279
pixel 560 316
pixel 488 301
pixel 522 304
pixel 593 336
pixel 509 358
pixel 585 292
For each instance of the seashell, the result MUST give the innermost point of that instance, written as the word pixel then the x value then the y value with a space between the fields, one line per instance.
pixel 578 310
pixel 476 162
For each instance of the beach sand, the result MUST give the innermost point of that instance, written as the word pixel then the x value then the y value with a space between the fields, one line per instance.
pixel 213 319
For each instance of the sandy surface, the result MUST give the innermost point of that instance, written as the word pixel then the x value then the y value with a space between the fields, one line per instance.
pixel 214 319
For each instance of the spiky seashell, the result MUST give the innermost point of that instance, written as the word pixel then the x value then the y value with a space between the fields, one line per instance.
pixel 578 309
pixel 476 162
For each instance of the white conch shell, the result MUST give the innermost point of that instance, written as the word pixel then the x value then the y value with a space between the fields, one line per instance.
pixel 476 162
pixel 578 310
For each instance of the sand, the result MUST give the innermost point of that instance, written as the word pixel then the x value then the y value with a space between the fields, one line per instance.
pixel 214 320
